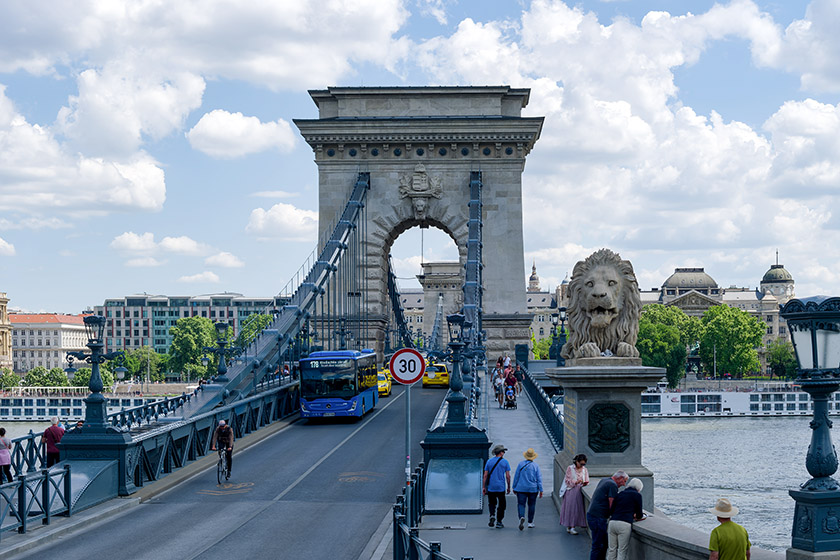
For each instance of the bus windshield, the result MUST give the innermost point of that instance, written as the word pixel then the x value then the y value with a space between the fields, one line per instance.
pixel 328 379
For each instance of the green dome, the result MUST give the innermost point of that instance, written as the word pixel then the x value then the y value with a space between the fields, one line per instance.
pixel 777 274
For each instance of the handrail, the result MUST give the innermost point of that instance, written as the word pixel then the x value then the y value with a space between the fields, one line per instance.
pixel 551 420
pixel 35 496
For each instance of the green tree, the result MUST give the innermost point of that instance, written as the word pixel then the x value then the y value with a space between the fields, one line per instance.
pixel 690 328
pixel 82 378
pixel 8 379
pixel 145 360
pixel 251 327
pixel 540 349
pixel 730 337
pixel 36 377
pixel 189 337
pixel 781 359
pixel 57 378
pixel 660 345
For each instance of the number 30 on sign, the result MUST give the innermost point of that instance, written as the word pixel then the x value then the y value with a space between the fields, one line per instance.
pixel 407 366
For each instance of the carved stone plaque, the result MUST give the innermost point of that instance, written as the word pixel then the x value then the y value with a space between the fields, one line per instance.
pixel 609 428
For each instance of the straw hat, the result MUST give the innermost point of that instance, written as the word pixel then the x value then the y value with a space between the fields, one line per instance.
pixel 530 454
pixel 724 508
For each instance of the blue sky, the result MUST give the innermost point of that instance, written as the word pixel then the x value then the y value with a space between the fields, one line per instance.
pixel 149 147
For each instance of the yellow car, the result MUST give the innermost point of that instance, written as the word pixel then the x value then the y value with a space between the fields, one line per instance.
pixel 436 374
pixel 384 381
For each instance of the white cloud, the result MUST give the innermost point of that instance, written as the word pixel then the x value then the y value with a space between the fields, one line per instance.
pixel 206 277
pixel 224 260
pixel 6 248
pixel 274 194
pixel 230 135
pixel 183 245
pixel 283 221
pixel 38 173
pixel 144 262
pixel 35 223
pixel 130 242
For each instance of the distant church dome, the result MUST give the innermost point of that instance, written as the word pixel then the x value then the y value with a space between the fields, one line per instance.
pixel 777 274
pixel 690 278
pixel 534 280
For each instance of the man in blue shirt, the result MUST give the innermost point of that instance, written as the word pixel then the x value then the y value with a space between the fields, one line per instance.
pixel 496 473
pixel 599 512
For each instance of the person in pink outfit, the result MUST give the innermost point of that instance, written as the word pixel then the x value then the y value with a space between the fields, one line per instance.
pixel 572 511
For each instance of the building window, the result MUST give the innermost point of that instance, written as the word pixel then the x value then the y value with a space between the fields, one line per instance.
pixel 542 332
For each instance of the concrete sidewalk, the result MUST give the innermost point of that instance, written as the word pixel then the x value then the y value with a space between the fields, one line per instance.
pixel 469 536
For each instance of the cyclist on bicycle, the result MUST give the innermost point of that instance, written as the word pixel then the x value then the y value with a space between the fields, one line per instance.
pixel 224 435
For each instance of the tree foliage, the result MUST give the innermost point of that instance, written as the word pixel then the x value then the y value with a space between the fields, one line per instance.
pixel 82 378
pixel 56 378
pixel 35 377
pixel 541 348
pixel 189 337
pixel 661 345
pixel 781 359
pixel 730 337
pixel 251 327
pixel 8 379
pixel 690 328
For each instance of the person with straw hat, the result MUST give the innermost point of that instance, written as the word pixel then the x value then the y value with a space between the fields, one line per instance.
pixel 527 483
pixel 728 541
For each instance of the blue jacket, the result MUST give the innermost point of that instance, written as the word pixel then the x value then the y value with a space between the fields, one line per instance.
pixel 527 478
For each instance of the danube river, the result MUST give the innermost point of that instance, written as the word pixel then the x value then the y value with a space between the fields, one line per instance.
pixel 751 461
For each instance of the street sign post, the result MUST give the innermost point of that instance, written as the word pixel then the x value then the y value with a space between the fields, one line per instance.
pixel 407 367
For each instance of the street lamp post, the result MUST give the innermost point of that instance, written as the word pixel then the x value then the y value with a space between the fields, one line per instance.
pixel 96 405
pixel 343 333
pixel 553 350
pixel 456 419
pixel 814 325
pixel 561 339
pixel 222 351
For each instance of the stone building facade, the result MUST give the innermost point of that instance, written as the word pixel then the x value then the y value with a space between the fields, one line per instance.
pixel 5 333
pixel 43 339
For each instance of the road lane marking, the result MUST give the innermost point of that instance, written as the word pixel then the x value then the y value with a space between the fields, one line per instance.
pixel 291 486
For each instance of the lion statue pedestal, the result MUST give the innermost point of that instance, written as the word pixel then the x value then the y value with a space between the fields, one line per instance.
pixel 604 378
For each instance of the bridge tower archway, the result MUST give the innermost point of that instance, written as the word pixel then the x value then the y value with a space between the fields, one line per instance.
pixel 420 145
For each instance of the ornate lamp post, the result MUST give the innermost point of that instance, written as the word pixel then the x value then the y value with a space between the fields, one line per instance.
pixel 222 351
pixel 456 418
pixel 343 333
pixel 561 338
pixel 814 324
pixel 96 405
pixel 553 350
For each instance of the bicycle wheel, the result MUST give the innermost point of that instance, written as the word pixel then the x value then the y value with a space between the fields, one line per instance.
pixel 220 469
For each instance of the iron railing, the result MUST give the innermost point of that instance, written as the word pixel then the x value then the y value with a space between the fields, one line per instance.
pixel 29 454
pixel 550 418
pixel 34 496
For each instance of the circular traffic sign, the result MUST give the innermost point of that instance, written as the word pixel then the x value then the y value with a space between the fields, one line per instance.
pixel 407 366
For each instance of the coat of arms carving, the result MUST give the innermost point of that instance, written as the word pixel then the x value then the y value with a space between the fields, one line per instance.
pixel 419 187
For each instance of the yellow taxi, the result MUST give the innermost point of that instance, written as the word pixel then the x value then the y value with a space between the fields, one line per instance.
pixel 436 374
pixel 384 381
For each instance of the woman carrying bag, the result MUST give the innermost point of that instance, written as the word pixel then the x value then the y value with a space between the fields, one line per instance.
pixel 572 512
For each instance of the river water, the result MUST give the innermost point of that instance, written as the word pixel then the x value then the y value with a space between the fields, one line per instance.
pixel 751 461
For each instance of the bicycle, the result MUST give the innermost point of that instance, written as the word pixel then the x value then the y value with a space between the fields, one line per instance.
pixel 221 467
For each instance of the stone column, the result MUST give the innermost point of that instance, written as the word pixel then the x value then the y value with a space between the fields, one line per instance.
pixel 602 417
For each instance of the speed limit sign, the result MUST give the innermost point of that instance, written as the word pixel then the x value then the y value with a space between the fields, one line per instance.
pixel 407 366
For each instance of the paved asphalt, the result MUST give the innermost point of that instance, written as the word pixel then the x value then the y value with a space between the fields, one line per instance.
pixel 314 490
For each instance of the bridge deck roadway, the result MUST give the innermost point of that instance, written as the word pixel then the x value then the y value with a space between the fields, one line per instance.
pixel 517 429
pixel 312 490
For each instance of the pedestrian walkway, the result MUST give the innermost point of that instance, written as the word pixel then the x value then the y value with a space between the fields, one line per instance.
pixel 468 535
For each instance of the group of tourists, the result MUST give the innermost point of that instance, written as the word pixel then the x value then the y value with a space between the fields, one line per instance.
pixel 615 505
pixel 507 381
pixel 526 485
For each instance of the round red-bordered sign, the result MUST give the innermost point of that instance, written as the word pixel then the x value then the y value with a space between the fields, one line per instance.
pixel 407 366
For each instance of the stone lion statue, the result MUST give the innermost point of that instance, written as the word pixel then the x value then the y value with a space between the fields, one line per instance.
pixel 604 308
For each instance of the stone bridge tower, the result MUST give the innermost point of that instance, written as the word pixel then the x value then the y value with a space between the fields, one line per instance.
pixel 420 145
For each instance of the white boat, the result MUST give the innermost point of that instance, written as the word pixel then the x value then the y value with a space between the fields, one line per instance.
pixel 34 404
pixel 775 400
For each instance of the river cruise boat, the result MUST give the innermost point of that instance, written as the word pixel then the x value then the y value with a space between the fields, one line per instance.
pixel 35 404
pixel 777 400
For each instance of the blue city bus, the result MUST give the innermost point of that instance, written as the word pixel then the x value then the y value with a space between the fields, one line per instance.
pixel 338 383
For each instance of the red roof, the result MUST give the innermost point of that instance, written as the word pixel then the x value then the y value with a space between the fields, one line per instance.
pixel 56 318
